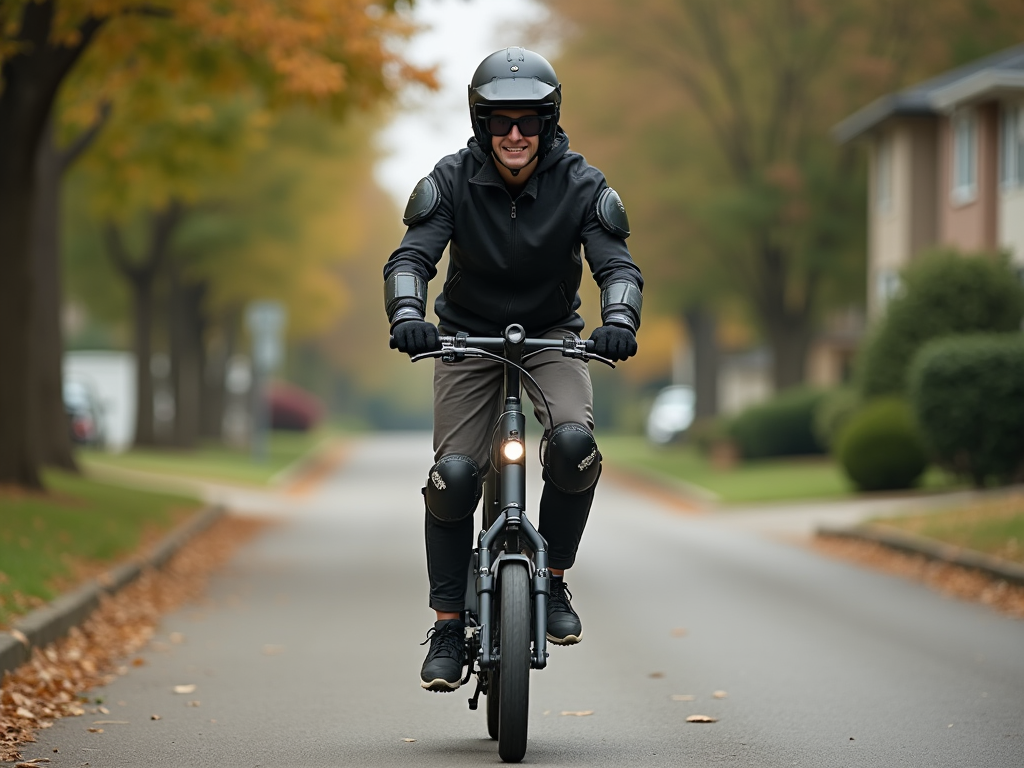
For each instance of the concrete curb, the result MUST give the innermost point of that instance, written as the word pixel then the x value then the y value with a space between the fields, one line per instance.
pixel 931 549
pixel 51 622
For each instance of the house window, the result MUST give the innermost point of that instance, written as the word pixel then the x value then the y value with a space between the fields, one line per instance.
pixel 883 173
pixel 887 285
pixel 965 156
pixel 1011 146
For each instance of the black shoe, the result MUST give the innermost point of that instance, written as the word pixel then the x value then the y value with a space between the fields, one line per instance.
pixel 442 669
pixel 564 626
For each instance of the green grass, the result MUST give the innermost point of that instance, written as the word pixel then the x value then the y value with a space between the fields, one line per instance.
pixel 993 526
pixel 752 481
pixel 214 461
pixel 49 540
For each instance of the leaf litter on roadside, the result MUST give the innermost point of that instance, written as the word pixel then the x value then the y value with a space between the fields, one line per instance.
pixel 50 684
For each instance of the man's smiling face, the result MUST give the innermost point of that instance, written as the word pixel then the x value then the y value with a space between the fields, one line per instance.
pixel 515 150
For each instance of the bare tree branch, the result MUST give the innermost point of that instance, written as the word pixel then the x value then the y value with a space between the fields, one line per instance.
pixel 67 156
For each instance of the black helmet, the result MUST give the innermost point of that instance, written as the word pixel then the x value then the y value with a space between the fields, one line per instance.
pixel 515 78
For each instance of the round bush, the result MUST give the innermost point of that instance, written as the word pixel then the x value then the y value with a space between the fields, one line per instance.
pixel 881 449
pixel 968 396
pixel 833 412
pixel 943 293
pixel 782 426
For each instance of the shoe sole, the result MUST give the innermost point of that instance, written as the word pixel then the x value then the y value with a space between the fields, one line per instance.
pixel 567 640
pixel 440 685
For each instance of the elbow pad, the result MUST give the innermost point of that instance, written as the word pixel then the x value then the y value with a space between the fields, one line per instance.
pixel 621 304
pixel 405 297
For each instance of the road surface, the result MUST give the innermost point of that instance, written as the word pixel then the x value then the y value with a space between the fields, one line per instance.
pixel 306 653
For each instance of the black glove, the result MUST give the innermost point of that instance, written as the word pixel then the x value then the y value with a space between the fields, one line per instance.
pixel 414 337
pixel 614 342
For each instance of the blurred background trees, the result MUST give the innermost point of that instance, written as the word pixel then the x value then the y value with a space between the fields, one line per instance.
pixel 210 154
pixel 155 60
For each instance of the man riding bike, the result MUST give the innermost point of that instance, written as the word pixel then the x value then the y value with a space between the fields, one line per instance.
pixel 516 207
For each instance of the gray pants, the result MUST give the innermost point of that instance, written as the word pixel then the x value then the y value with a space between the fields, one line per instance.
pixel 467 403
pixel 467 399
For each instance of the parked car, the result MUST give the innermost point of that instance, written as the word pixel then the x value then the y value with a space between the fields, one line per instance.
pixel 85 413
pixel 293 408
pixel 671 414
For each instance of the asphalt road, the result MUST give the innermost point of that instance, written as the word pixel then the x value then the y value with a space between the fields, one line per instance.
pixel 306 653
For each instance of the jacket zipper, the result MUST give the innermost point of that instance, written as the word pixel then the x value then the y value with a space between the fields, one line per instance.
pixel 512 261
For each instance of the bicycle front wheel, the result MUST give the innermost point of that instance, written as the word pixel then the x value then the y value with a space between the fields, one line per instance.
pixel 514 662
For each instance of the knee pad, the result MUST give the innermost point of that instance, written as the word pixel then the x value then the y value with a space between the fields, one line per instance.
pixel 453 488
pixel 571 459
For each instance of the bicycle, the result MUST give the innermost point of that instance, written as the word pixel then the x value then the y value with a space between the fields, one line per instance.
pixel 508 583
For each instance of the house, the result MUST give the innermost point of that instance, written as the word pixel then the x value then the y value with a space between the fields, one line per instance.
pixel 946 167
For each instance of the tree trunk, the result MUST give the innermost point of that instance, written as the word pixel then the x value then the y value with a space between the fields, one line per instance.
pixel 141 276
pixel 784 308
pixel 30 79
pixel 702 326
pixel 790 341
pixel 47 344
pixel 216 355
pixel 185 324
pixel 142 298
pixel 55 448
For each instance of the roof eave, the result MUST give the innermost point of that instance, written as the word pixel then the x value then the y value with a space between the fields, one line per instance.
pixel 987 84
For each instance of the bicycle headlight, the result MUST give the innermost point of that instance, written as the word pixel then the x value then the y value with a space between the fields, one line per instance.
pixel 512 450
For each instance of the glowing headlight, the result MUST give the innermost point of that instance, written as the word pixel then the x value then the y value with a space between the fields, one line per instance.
pixel 512 450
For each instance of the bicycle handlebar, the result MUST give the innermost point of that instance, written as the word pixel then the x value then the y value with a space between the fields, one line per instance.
pixel 461 346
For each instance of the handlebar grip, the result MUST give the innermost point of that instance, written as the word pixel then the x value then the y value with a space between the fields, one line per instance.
pixel 392 344
pixel 590 344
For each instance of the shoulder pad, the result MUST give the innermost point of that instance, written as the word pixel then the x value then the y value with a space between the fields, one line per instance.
pixel 422 202
pixel 612 213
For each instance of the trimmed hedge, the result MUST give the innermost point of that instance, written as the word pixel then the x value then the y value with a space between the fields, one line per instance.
pixel 782 426
pixel 944 293
pixel 881 448
pixel 968 395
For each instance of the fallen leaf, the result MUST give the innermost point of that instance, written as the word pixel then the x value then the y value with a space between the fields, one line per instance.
pixel 154 717
pixel 701 719
pixel 683 697
pixel 95 730
pixel 33 761
pixel 177 638
pixel 138 661
pixel 719 694
pixel 185 688
pixel 110 722
pixel 408 741
pixel 656 675
pixel 104 710
pixel 192 704
pixel 22 712
pixel 679 632
pixel 581 713
pixel 18 635
pixel 273 650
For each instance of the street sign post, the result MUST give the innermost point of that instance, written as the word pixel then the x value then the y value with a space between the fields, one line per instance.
pixel 266 321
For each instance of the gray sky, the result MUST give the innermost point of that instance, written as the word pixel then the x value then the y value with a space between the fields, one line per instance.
pixel 457 35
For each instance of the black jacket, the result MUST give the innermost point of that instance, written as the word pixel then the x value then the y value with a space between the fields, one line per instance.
pixel 514 260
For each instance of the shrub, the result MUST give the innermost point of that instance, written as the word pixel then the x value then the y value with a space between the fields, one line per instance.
pixel 968 395
pixel 782 426
pixel 881 448
pixel 832 414
pixel 943 293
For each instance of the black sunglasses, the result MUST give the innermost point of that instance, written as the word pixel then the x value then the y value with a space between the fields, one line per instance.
pixel 529 125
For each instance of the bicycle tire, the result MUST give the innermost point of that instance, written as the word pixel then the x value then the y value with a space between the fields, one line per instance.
pixel 514 662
